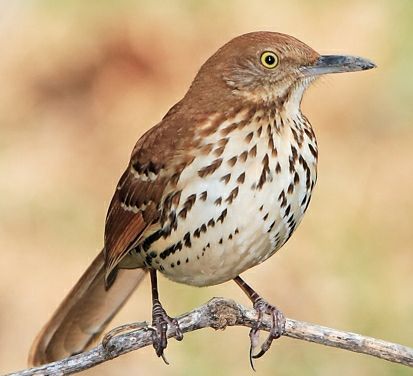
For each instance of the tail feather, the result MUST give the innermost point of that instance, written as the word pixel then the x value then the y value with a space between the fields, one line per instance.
pixel 84 313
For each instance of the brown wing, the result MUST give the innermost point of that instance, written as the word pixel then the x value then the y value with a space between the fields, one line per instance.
pixel 126 221
pixel 155 161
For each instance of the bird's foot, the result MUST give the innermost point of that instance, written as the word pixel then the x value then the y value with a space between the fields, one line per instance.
pixel 277 328
pixel 160 322
pixel 132 327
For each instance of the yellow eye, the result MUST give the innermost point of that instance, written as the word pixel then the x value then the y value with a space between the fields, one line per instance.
pixel 269 59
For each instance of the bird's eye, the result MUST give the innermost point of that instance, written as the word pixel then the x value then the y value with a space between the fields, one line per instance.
pixel 269 59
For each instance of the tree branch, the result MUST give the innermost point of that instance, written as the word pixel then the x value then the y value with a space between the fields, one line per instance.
pixel 219 313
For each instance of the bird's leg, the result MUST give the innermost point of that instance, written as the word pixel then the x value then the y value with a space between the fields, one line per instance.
pixel 262 307
pixel 161 321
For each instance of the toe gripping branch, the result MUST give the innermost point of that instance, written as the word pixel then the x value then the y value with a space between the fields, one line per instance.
pixel 262 308
pixel 161 321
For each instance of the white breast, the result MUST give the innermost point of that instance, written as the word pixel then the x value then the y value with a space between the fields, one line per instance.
pixel 243 211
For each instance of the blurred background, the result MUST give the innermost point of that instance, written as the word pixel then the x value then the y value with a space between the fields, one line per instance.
pixel 81 81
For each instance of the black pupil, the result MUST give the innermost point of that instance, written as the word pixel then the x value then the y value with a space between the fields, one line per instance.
pixel 270 59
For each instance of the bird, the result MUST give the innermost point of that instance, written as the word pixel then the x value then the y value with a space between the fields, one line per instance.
pixel 214 189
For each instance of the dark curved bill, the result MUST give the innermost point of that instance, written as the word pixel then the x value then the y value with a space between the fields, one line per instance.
pixel 337 64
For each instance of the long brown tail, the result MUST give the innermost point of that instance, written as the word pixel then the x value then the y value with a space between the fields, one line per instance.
pixel 84 313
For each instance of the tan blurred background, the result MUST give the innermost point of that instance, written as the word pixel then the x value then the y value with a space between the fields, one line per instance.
pixel 81 81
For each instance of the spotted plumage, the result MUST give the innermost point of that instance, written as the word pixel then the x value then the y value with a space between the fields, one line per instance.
pixel 210 201
pixel 215 188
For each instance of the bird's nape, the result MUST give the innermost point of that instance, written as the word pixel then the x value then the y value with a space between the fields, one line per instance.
pixel 215 188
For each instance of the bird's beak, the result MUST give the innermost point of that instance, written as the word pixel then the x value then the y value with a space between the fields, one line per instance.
pixel 337 64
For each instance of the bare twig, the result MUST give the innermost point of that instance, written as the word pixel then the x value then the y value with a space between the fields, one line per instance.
pixel 219 313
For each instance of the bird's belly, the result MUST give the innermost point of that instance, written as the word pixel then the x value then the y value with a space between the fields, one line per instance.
pixel 234 218
pixel 253 229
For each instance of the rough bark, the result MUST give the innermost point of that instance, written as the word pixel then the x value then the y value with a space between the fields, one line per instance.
pixel 219 313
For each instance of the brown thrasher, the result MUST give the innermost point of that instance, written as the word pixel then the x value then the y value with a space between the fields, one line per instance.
pixel 215 188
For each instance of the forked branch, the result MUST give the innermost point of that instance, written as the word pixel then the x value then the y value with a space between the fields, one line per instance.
pixel 219 313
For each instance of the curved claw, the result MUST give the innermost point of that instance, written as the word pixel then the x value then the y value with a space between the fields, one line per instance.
pixel 252 359
pixel 161 322
pixel 159 340
pixel 259 355
pixel 254 337
pixel 121 329
pixel 261 307
pixel 164 359
pixel 277 328
pixel 159 336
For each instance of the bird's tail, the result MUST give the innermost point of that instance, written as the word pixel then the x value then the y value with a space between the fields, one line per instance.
pixel 84 313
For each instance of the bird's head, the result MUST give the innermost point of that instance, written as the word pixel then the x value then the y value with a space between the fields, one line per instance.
pixel 269 67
